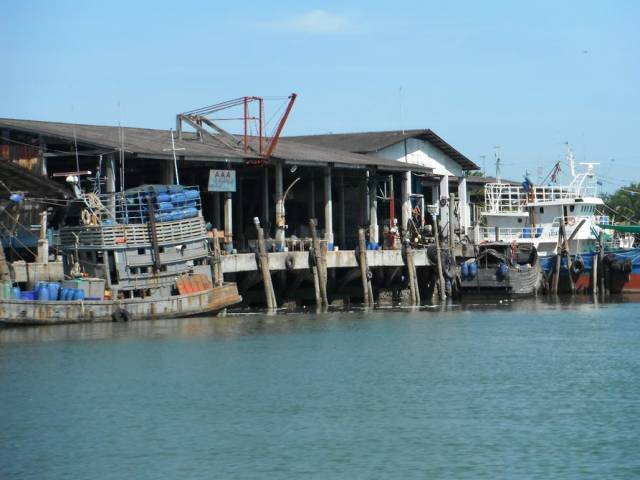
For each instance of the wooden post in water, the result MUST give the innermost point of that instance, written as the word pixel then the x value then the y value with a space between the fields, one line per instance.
pixel 441 291
pixel 594 271
pixel 603 285
pixel 217 259
pixel 556 272
pixel 320 267
pixel 411 272
pixel 269 294
pixel 367 291
pixel 566 252
pixel 452 226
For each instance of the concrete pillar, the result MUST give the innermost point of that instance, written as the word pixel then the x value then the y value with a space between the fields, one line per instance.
pixel 444 193
pixel 406 199
pixel 110 183
pixel 280 213
pixel 216 211
pixel 328 209
pixel 374 233
pixel 42 159
pixel 167 172
pixel 465 214
pixel 265 198
pixel 239 230
pixel 228 221
pixel 343 217
pixel 312 197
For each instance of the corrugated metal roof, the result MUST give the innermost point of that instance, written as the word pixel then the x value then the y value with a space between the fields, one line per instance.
pixel 371 142
pixel 18 179
pixel 154 143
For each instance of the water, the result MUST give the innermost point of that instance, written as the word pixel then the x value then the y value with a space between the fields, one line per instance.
pixel 526 390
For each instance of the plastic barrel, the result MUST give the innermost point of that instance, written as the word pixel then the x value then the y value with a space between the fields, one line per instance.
pixel 64 294
pixel 54 290
pixel 526 232
pixel 42 293
pixel 189 212
pixel 473 269
pixel 15 293
pixel 178 199
pixel 6 287
pixel 163 198
pixel 464 270
pixel 78 294
pixel 192 194
pixel 28 295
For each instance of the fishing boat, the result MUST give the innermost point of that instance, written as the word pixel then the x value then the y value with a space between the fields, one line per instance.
pixel 142 253
pixel 503 268
pixel 559 220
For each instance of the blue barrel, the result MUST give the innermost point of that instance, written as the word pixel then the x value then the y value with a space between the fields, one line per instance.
pixel 15 293
pixel 54 290
pixel 526 232
pixel 464 270
pixel 28 295
pixel 163 198
pixel 503 270
pixel 473 269
pixel 66 292
pixel 43 292
pixel 539 232
pixel 178 199
pixel 78 294
pixel 189 212
pixel 192 194
pixel 165 206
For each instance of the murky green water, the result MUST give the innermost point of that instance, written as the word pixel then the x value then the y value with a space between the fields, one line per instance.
pixel 526 390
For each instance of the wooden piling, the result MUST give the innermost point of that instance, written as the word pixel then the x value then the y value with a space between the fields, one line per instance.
pixel 367 291
pixel 412 274
pixel 269 294
pixel 594 271
pixel 217 259
pixel 603 285
pixel 556 272
pixel 441 290
pixel 319 268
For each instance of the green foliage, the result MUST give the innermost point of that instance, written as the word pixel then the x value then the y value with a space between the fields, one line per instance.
pixel 625 202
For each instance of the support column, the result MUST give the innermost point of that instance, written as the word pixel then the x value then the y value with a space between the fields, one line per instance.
pixel 343 217
pixel 216 211
pixel 328 209
pixel 374 233
pixel 463 208
pixel 239 213
pixel 228 221
pixel 167 173
pixel 110 184
pixel 444 194
pixel 312 197
pixel 406 199
pixel 42 159
pixel 265 198
pixel 280 214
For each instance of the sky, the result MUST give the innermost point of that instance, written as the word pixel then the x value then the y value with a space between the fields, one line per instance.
pixel 525 77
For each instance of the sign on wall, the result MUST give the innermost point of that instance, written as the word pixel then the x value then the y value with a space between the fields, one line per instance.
pixel 222 181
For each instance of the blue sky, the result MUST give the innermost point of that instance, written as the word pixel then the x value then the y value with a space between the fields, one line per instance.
pixel 523 76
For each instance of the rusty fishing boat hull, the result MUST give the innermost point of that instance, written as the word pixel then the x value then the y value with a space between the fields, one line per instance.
pixel 29 312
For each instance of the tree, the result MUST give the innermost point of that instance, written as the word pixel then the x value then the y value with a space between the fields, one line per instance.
pixel 625 202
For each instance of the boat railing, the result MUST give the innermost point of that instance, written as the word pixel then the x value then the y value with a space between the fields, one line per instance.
pixel 508 198
pixel 134 206
pixel 505 234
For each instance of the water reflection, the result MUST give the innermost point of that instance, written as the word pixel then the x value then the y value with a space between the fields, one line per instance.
pixel 241 323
